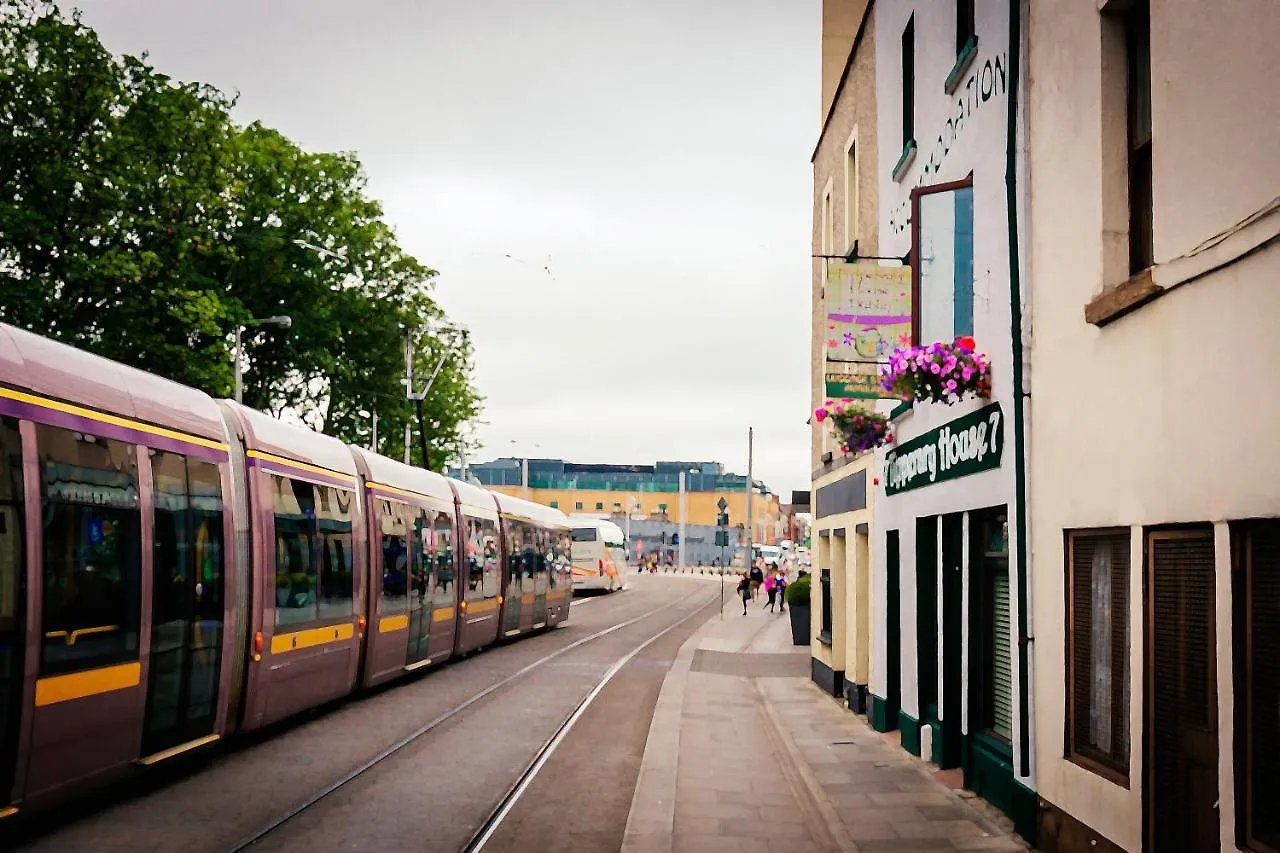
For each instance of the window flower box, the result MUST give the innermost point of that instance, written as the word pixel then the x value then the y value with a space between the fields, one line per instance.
pixel 939 372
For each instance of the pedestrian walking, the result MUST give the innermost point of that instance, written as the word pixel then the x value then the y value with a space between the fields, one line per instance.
pixel 757 578
pixel 744 590
pixel 771 589
pixel 780 586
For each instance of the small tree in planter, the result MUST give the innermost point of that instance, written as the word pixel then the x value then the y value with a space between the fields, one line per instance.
pixel 797 596
pixel 859 429
pixel 939 372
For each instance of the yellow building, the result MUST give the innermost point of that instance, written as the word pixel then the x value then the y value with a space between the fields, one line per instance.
pixel 643 491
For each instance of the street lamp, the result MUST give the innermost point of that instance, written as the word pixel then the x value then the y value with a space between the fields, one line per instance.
pixel 683 511
pixel 282 321
pixel 524 471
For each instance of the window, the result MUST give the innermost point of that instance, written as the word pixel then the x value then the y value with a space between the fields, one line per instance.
pixel 555 504
pixel 990 575
pixel 295 510
pixel 585 534
pixel 909 82
pixel 394 532
pixel 578 505
pixel 662 508
pixel 92 550
pixel 851 193
pixel 617 506
pixel 1137 26
pixel 944 261
pixel 482 559
pixel 825 581
pixel 964 24
pixel 11 571
pixel 421 556
pixel 599 506
pixel 1098 650
pixel 828 223
pixel 337 579
pixel 445 592
pixel 1257 663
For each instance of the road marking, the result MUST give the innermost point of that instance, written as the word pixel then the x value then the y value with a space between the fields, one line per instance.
pixel 526 779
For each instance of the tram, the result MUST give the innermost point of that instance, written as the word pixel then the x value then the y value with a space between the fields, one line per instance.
pixel 175 570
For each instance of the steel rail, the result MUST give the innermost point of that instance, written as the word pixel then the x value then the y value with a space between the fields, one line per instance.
pixel 408 739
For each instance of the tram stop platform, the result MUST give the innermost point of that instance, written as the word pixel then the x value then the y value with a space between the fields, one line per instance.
pixel 746 754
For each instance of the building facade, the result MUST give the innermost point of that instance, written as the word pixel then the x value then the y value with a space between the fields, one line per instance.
pixel 1155 257
pixel 643 491
pixel 949 667
pixel 845 191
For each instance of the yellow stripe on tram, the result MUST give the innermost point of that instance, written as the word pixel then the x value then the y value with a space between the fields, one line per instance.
pixel 482 606
pixel 311 637
pixel 78 685
pixel 389 624
pixel 442 614
pixel 293 463
pixel 114 420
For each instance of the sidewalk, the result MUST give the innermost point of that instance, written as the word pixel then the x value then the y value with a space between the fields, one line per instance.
pixel 745 754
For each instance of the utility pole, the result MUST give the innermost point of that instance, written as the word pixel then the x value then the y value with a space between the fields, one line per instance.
pixel 524 477
pixel 408 391
pixel 374 443
pixel 680 562
pixel 751 552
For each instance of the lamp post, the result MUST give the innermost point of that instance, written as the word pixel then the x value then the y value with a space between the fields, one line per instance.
pixel 683 512
pixel 524 471
pixel 282 321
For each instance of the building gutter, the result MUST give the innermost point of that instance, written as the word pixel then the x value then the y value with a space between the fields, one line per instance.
pixel 1020 397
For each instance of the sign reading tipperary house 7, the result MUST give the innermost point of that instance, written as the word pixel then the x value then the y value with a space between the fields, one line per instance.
pixel 969 444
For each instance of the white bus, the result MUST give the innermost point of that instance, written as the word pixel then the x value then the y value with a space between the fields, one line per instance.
pixel 599 554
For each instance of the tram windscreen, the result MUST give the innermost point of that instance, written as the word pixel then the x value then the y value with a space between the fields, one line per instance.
pixel 585 534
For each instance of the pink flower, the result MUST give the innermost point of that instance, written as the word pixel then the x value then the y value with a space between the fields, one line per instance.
pixel 820 415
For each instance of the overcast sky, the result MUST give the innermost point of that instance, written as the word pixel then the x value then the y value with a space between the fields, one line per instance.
pixel 656 151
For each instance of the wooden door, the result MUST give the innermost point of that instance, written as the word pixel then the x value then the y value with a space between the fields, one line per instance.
pixel 1182 696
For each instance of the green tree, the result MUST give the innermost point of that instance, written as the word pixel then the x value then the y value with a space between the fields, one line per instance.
pixel 138 221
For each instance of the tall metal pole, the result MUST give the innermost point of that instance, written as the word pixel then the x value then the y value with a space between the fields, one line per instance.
pixel 524 477
pixel 374 443
pixel 680 565
pixel 408 390
pixel 751 536
pixel 627 533
pixel 239 377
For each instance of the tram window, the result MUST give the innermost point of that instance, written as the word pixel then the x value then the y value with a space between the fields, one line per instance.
pixel 11 510
pixel 515 547
pixel 337 577
pixel 395 557
pixel 475 559
pixel 529 550
pixel 444 591
pixel 295 514
pixel 206 536
pixel 489 532
pixel 423 555
pixel 92 550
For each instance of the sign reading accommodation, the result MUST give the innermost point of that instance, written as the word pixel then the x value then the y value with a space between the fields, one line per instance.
pixel 868 314
pixel 969 444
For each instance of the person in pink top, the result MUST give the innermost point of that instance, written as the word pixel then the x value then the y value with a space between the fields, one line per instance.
pixel 771 589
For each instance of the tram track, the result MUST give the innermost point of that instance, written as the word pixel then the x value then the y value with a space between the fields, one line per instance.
pixel 543 753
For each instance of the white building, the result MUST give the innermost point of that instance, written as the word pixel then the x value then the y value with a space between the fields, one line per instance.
pixel 948 668
pixel 1155 476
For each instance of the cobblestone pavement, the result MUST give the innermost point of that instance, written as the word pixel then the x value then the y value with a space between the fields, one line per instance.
pixel 746 754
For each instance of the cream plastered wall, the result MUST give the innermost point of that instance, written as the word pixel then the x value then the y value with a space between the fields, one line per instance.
pixel 957 134
pixel 850 622
pixel 1167 414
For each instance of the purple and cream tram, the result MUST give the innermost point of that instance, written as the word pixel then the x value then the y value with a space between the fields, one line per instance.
pixel 175 569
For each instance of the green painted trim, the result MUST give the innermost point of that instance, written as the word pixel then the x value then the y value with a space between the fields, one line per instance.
pixel 988 772
pixel 910 727
pixel 901 409
pixel 880 715
pixel 904 159
pixel 967 53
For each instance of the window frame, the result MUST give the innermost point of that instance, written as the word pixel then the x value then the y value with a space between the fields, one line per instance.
pixel 1088 757
pixel 916 295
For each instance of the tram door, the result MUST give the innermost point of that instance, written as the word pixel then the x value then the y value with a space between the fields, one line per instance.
pixel 544 564
pixel 186 602
pixel 444 586
pixel 514 573
pixel 422 548
pixel 11 623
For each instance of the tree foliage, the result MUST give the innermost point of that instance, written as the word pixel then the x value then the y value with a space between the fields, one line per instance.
pixel 139 221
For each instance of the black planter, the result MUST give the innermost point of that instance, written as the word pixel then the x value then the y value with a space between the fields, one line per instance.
pixel 800 625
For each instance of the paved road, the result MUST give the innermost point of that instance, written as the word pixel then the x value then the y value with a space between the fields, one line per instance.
pixel 438 791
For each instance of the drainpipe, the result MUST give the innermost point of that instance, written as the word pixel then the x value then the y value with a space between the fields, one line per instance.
pixel 1020 396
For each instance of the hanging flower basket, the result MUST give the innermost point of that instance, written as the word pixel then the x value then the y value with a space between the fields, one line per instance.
pixel 940 372
pixel 859 430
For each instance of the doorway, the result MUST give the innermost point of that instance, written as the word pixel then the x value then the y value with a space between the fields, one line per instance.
pixel 186 602
pixel 892 632
pixel 948 752
pixel 1182 697
pixel 927 619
